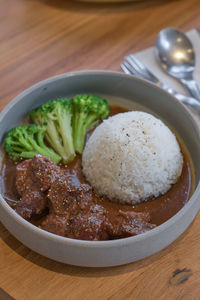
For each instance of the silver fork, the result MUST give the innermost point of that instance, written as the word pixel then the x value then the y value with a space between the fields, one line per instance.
pixel 132 65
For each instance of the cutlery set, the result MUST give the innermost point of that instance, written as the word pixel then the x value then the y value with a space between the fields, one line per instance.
pixel 176 56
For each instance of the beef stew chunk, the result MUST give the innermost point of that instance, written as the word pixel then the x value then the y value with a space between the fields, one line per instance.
pixel 33 200
pixel 74 211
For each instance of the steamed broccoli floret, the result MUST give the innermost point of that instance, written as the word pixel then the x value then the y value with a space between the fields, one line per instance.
pixel 87 111
pixel 27 141
pixel 56 115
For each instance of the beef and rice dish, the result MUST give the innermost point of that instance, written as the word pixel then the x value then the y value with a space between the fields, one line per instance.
pixel 58 196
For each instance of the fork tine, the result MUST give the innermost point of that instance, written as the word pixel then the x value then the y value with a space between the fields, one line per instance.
pixel 134 71
pixel 136 68
pixel 131 69
pixel 132 64
pixel 125 69
pixel 136 62
pixel 133 60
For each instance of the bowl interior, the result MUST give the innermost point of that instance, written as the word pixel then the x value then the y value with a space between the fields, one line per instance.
pixel 119 89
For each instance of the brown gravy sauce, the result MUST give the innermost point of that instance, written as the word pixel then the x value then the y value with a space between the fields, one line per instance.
pixel 160 209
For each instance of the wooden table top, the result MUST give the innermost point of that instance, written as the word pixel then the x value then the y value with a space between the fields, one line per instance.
pixel 42 38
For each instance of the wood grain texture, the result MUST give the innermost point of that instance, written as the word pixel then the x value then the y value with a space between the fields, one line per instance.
pixel 42 38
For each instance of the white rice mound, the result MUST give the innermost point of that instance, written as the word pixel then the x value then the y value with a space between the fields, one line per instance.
pixel 132 156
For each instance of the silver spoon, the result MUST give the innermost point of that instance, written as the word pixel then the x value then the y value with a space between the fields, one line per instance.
pixel 177 57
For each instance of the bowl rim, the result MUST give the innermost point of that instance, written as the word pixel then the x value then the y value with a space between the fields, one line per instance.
pixel 109 243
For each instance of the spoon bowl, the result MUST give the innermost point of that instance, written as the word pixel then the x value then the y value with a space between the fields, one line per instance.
pixel 176 56
pixel 176 53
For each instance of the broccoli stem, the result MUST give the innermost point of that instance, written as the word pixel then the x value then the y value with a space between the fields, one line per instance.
pixel 27 155
pixel 64 121
pixel 54 140
pixel 79 133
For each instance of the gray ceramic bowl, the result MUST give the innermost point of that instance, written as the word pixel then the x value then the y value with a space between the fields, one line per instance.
pixel 129 92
